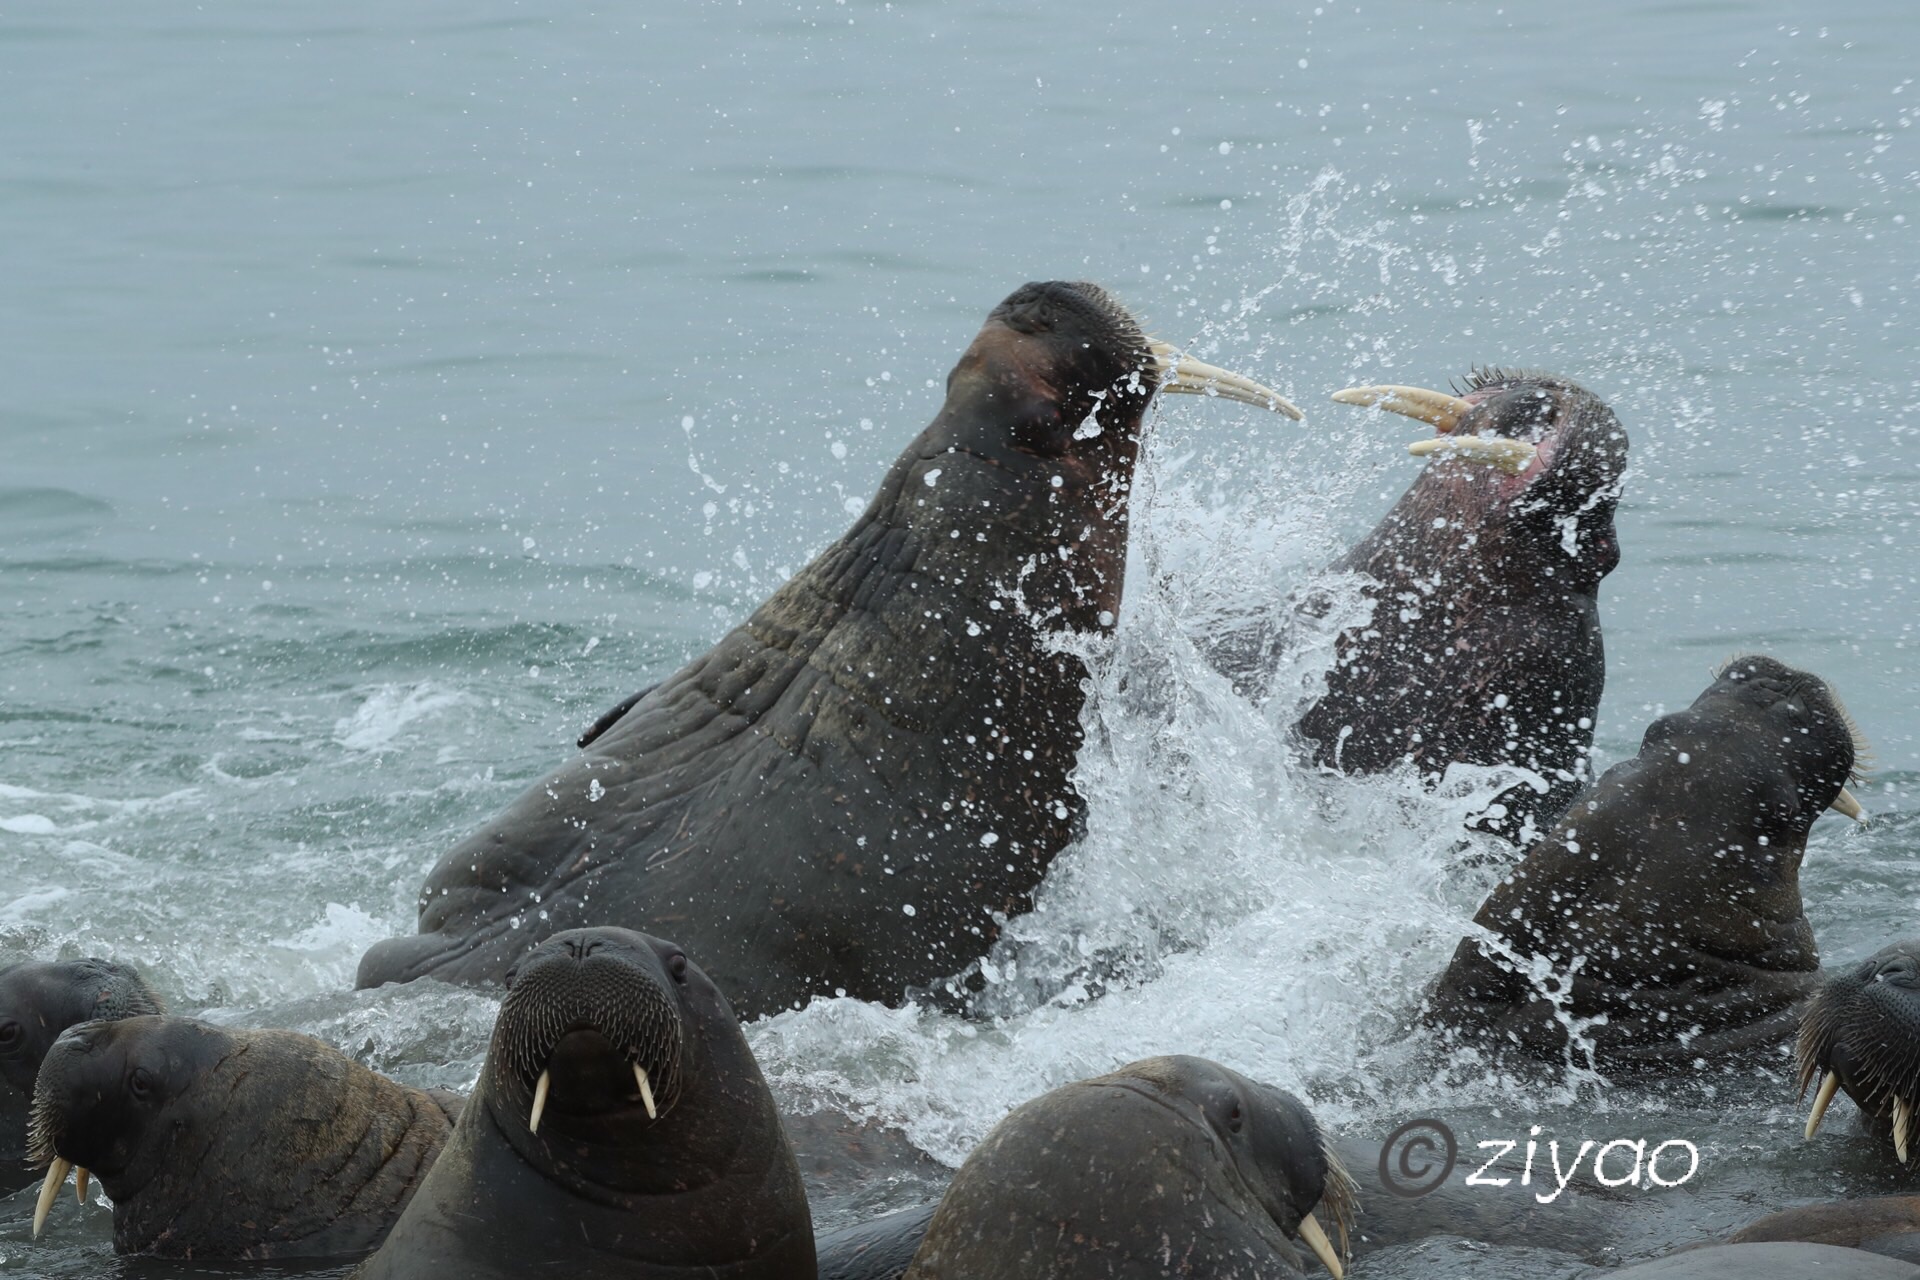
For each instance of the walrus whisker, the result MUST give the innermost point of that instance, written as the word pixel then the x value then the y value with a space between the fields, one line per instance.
pixel 49 1190
pixel 1181 373
pixel 1828 1087
pixel 1436 408
pixel 1322 1247
pixel 539 1100
pixel 1508 455
pixel 646 1090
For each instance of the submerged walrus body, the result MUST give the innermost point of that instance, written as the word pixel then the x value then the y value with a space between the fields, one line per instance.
pixel 231 1144
pixel 1661 917
pixel 1483 646
pixel 849 791
pixel 38 1001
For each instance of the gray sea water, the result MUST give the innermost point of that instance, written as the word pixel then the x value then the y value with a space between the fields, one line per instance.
pixel 389 389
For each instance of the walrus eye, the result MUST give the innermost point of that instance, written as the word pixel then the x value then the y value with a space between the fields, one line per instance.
pixel 9 1035
pixel 140 1084
pixel 677 966
pixel 1234 1118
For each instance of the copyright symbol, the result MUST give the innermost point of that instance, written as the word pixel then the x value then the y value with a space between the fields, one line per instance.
pixel 1417 1157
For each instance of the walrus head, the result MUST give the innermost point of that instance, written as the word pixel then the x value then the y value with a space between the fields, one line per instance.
pixel 1049 401
pixel 228 1144
pixel 1541 451
pixel 1171 1153
pixel 39 1000
pixel 1276 1146
pixel 1861 1032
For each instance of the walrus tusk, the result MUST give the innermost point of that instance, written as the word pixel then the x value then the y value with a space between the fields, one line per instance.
pixel 80 1179
pixel 646 1090
pixel 1179 372
pixel 1510 456
pixel 1845 804
pixel 56 1174
pixel 539 1100
pixel 1436 408
pixel 1322 1247
pixel 1828 1087
pixel 1902 1120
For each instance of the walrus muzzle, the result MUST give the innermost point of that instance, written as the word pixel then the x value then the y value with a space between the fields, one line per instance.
pixel 1861 1032
pixel 597 1023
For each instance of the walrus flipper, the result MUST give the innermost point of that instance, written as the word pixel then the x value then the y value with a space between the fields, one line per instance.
pixel 611 718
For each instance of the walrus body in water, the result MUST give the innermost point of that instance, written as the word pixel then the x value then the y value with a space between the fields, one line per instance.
pixel 1483 646
pixel 231 1144
pixel 1661 916
pixel 845 793
pixel 38 1000
pixel 1168 1166
pixel 620 1127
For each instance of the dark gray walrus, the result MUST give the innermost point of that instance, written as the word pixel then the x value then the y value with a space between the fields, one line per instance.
pixel 620 1128
pixel 847 791
pixel 1169 1166
pixel 1666 900
pixel 1484 646
pixel 1861 1032
pixel 38 1000
pixel 231 1144
pixel 1767 1262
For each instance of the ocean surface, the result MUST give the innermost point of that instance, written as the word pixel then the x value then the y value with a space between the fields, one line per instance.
pixel 391 389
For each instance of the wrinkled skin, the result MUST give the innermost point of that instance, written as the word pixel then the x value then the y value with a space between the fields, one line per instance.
pixel 1484 642
pixel 39 1000
pixel 234 1144
pixel 844 793
pixel 1168 1158
pixel 1667 897
pixel 1863 1026
pixel 704 1186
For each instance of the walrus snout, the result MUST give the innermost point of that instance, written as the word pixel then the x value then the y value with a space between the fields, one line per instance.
pixel 592 1023
pixel 1861 1032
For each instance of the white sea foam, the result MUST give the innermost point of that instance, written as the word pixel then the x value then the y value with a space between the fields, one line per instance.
pixel 387 711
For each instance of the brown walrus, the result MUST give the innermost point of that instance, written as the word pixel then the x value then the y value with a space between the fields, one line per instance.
pixel 1483 646
pixel 850 789
pixel 231 1144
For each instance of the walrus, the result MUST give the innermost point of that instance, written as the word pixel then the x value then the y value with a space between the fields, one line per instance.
pixel 1861 1032
pixel 1887 1225
pixel 38 1000
pixel 1663 909
pixel 620 1127
pixel 1768 1262
pixel 849 791
pixel 1483 646
pixel 1172 1165
pixel 215 1143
